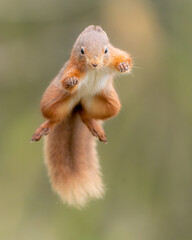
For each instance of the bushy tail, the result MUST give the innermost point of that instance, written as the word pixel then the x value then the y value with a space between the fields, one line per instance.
pixel 72 162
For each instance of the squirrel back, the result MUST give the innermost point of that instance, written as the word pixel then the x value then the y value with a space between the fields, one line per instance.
pixel 72 161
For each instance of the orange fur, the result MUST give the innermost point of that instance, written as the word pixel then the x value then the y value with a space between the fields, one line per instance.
pixel 118 56
pixel 80 95
pixel 102 106
pixel 72 162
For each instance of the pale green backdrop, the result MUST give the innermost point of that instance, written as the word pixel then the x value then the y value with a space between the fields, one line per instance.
pixel 147 163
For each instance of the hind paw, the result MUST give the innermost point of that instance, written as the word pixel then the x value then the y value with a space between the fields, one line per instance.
pixel 99 134
pixel 39 133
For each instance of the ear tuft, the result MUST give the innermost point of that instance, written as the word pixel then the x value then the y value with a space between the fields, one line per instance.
pixel 89 28
pixel 98 29
pixel 93 27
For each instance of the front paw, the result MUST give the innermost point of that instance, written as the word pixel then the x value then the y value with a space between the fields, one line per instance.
pixel 70 82
pixel 123 66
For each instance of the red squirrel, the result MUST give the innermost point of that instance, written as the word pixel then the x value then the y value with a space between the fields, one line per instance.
pixel 77 99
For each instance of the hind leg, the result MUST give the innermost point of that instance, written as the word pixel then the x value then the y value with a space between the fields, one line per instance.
pixel 55 106
pixel 55 114
pixel 95 128
pixel 43 130
pixel 100 107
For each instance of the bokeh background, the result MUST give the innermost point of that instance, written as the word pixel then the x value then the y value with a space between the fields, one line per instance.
pixel 147 163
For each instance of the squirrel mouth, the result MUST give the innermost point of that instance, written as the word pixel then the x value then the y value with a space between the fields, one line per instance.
pixel 95 66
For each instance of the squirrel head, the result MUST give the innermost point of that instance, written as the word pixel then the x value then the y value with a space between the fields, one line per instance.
pixel 92 47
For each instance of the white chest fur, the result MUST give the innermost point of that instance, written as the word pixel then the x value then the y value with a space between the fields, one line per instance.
pixel 93 82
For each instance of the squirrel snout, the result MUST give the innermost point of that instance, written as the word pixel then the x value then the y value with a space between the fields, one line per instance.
pixel 94 63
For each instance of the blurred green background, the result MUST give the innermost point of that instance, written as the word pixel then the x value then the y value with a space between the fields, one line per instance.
pixel 147 162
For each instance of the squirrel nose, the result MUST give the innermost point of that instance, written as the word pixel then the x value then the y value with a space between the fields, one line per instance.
pixel 94 62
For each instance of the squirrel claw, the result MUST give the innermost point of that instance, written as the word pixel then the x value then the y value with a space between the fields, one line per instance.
pixel 103 139
pixel 123 67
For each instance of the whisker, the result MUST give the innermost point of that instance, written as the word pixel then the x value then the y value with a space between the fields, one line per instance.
pixel 137 67
pixel 132 74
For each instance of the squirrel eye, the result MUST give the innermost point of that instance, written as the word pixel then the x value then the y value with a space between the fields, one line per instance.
pixel 106 50
pixel 82 51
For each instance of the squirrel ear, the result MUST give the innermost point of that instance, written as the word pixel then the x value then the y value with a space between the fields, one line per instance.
pixel 93 27
pixel 98 28
pixel 89 28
